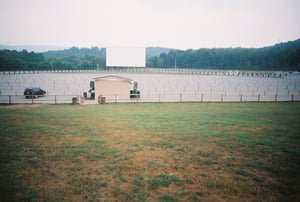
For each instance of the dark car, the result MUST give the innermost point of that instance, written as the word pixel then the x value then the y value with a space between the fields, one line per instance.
pixel 34 92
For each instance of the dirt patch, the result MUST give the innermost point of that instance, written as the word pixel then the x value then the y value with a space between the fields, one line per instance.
pixel 74 140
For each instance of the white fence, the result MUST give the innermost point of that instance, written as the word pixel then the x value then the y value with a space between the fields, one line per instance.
pixel 148 70
pixel 202 97
pixel 152 97
pixel 49 99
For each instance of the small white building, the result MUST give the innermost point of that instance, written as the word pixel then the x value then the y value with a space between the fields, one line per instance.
pixel 113 88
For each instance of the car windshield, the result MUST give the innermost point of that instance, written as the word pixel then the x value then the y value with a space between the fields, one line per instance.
pixel 36 90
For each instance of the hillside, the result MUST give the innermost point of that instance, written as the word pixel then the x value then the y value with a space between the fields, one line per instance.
pixel 30 48
pixel 95 51
pixel 156 51
pixel 74 51
pixel 282 56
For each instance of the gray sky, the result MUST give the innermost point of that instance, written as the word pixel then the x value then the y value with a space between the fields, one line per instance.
pixel 179 24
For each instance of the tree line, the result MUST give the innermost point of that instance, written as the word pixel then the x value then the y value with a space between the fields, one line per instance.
pixel 69 59
pixel 283 56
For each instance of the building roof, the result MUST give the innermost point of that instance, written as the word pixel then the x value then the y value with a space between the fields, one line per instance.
pixel 112 78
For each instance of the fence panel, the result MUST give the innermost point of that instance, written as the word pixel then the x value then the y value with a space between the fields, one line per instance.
pixel 49 99
pixel 154 97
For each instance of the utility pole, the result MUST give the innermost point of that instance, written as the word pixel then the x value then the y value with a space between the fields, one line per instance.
pixel 175 63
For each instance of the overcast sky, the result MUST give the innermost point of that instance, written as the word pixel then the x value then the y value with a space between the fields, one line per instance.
pixel 179 24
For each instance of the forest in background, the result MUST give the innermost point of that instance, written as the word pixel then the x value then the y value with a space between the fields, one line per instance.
pixel 283 56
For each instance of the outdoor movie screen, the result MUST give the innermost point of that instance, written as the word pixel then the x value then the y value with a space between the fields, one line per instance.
pixel 126 56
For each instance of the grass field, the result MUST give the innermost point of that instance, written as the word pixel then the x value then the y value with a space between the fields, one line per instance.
pixel 150 152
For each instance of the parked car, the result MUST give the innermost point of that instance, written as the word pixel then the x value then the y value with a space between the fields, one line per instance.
pixel 34 92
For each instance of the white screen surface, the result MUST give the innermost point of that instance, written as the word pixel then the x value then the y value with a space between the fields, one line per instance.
pixel 125 57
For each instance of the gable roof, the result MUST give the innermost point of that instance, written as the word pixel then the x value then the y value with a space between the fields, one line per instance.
pixel 112 78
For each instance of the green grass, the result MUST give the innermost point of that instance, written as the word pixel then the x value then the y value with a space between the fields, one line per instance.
pixel 163 180
pixel 150 152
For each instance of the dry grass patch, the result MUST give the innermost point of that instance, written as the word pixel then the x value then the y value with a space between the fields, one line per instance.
pixel 150 152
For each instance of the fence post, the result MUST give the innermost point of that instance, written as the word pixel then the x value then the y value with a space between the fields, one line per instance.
pixel 258 98
pixel 292 97
pixel 32 97
pixel 241 98
pixel 9 99
pixel 116 98
pixel 276 97
pixel 54 99
pixel 180 97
